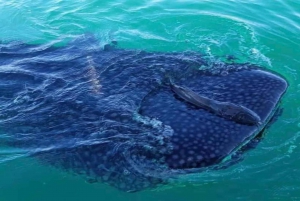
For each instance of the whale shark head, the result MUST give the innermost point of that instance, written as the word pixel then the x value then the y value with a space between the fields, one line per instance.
pixel 202 138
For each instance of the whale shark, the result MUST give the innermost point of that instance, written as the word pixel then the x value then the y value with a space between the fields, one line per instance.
pixel 108 113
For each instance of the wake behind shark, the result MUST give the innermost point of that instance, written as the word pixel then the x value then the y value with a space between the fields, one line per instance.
pixel 109 115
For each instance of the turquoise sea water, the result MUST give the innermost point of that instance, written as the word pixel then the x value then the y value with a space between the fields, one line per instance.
pixel 262 32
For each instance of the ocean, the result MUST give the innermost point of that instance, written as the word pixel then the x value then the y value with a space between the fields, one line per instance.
pixel 266 33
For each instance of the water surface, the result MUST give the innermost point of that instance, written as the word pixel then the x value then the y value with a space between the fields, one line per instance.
pixel 262 32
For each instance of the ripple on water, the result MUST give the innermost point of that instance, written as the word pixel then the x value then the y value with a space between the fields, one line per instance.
pixel 265 32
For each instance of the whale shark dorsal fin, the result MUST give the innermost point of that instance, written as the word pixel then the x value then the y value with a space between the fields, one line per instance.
pixel 111 46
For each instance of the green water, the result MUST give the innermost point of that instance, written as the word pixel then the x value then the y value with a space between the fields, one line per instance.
pixel 263 32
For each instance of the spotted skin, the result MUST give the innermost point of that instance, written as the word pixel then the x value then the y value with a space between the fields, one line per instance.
pixel 217 136
pixel 106 113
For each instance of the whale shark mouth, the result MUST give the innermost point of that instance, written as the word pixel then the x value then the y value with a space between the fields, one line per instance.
pixel 108 115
